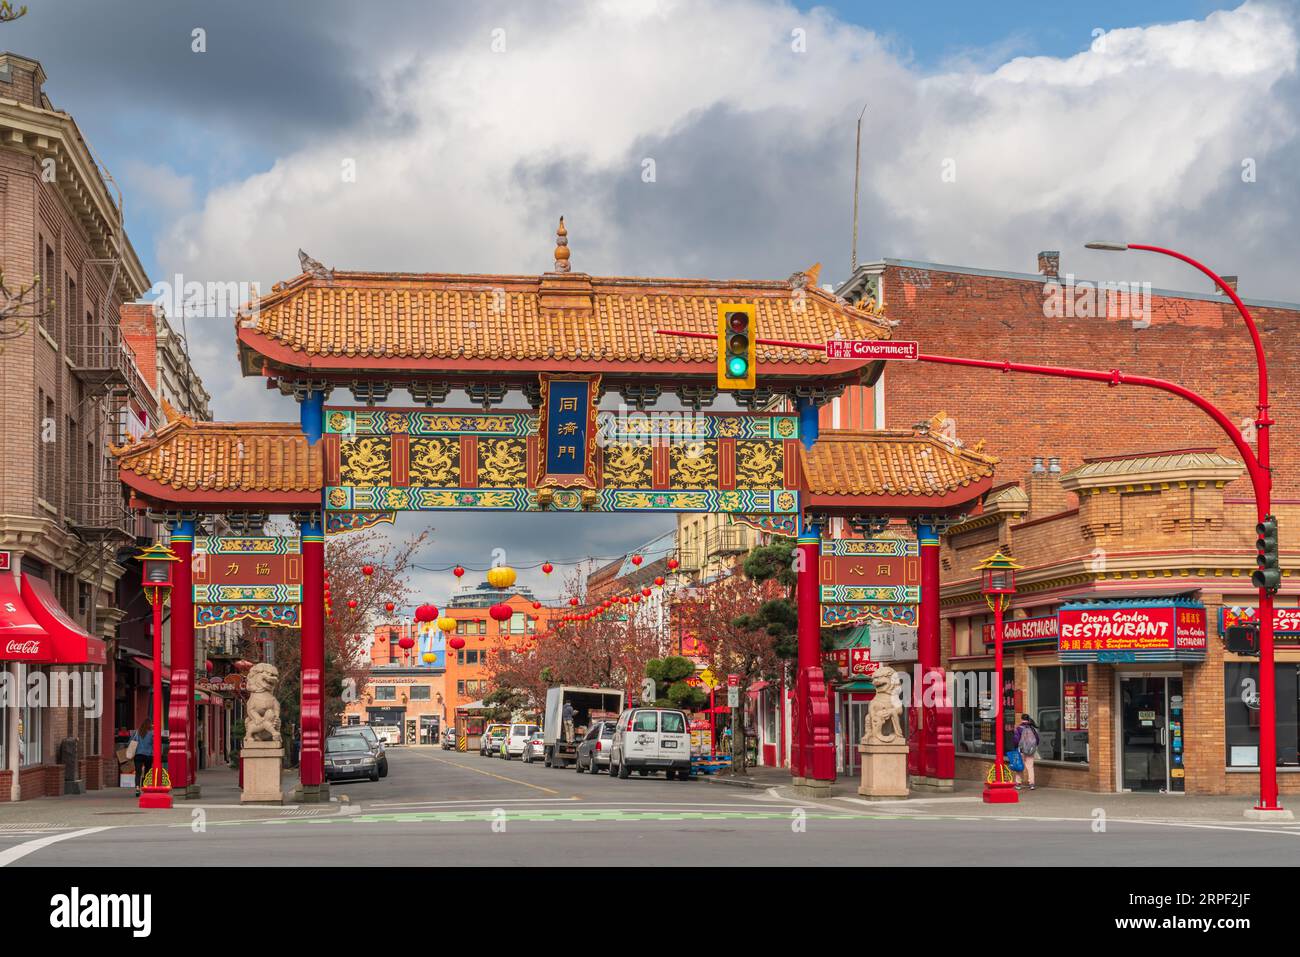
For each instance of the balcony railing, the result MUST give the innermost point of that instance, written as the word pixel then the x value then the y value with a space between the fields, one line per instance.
pixel 727 540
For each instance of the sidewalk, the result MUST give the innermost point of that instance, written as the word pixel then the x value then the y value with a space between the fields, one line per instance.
pixel 1043 803
pixel 219 802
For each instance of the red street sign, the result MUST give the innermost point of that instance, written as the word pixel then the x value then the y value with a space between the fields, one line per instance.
pixel 872 349
pixel 733 681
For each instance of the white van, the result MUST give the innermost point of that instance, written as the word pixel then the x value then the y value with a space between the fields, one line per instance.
pixel 517 738
pixel 651 739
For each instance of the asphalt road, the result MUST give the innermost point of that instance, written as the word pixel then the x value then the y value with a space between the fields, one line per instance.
pixel 440 807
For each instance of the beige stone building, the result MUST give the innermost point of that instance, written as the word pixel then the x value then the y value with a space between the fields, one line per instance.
pixel 1147 538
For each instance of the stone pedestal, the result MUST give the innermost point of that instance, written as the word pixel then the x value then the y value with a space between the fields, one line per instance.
pixel 884 769
pixel 262 761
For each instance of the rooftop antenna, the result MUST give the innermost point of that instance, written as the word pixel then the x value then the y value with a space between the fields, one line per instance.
pixel 857 168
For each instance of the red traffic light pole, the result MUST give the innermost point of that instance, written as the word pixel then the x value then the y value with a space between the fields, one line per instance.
pixel 1257 470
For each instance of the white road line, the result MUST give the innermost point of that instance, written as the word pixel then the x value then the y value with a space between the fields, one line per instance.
pixel 29 847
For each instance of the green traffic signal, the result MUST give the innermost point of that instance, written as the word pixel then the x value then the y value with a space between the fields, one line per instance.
pixel 737 367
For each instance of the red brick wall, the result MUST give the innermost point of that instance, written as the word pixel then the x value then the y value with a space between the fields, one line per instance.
pixel 1200 344
pixel 140 330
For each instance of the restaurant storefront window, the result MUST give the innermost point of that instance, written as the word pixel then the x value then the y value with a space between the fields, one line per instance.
pixel 1241 713
pixel 1060 707
pixel 974 713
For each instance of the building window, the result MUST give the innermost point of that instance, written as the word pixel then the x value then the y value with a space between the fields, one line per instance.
pixel 460 688
pixel 385 693
pixel 420 693
pixel 1241 713
pixel 517 621
pixel 973 711
pixel 1060 706
pixel 29 724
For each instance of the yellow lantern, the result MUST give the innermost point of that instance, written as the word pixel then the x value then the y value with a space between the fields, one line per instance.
pixel 446 625
pixel 501 576
pixel 429 657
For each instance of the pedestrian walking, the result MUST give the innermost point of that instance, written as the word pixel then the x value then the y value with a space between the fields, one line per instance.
pixel 140 750
pixel 1028 738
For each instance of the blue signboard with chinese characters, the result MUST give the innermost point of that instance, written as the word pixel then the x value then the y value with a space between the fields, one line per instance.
pixel 567 431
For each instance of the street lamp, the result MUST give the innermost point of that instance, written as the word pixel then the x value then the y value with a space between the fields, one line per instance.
pixel 998 584
pixel 1261 480
pixel 156 563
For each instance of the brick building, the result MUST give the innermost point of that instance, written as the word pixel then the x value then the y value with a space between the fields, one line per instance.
pixel 69 386
pixel 1120 503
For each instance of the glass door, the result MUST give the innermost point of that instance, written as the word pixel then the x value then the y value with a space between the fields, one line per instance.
pixel 1145 732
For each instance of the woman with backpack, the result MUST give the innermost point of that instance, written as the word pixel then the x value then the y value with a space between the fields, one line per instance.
pixel 140 751
pixel 1027 741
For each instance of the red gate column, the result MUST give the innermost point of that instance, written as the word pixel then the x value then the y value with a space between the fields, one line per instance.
pixel 311 766
pixel 930 758
pixel 813 749
pixel 181 756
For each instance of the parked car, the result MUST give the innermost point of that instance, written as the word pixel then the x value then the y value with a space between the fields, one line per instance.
pixel 373 741
pixel 449 739
pixel 594 749
pixel 651 739
pixel 516 737
pixel 534 748
pixel 489 743
pixel 349 756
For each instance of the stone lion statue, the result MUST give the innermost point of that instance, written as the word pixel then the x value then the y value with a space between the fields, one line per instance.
pixel 885 708
pixel 262 713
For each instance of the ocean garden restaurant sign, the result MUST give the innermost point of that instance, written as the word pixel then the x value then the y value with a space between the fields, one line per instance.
pixel 1286 621
pixel 247 577
pixel 1022 632
pixel 1151 631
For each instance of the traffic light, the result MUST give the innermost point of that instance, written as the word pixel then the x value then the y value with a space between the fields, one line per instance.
pixel 1242 639
pixel 1268 574
pixel 737 335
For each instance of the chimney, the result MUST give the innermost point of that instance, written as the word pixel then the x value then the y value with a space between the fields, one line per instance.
pixel 1043 486
pixel 1231 282
pixel 1049 263
pixel 21 79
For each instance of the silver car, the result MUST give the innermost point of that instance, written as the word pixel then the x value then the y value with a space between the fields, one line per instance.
pixel 534 748
pixel 348 756
pixel 593 749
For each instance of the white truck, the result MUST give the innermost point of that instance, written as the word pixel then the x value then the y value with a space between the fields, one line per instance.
pixel 589 704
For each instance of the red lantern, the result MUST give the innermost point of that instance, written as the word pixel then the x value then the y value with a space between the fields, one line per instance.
pixel 458 571
pixel 622 599
pixel 501 612
pixel 659 580
pixel 536 605
pixel 426 613
pixel 352 603
pixel 389 606
pixel 367 570
pixel 406 643
pixel 327 573
pixel 573 602
pixel 636 559
pixel 382 639
pixel 636 599
pixel 672 564
pixel 645 592
pixel 547 568
pixel 456 643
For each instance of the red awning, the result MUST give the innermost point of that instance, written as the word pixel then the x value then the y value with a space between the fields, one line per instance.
pixel 72 644
pixel 21 637
pixel 147 664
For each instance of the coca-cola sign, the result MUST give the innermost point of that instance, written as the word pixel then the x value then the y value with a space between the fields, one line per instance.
pixel 17 649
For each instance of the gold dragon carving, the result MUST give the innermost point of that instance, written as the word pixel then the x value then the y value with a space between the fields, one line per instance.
pixel 693 465
pixel 628 466
pixel 502 463
pixel 759 465
pixel 365 463
pixel 435 462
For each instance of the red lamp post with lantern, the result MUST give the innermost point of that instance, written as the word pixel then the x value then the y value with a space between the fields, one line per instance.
pixel 998 583
pixel 157 562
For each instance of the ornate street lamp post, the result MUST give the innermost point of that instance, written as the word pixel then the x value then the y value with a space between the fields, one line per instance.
pixel 157 562
pixel 998 574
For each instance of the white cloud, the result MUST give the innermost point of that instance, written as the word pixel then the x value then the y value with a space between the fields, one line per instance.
pixel 473 153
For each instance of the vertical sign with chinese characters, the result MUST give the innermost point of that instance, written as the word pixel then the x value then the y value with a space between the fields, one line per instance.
pixel 250 576
pixel 567 431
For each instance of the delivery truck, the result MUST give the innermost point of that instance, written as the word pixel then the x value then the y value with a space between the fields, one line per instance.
pixel 559 743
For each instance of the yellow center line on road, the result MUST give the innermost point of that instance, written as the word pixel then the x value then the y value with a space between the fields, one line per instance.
pixel 499 777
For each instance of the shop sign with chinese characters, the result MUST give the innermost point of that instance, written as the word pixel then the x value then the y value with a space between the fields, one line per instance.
pixel 250 576
pixel 1132 631
pixel 1286 621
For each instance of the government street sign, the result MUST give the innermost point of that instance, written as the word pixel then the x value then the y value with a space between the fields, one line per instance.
pixel 901 350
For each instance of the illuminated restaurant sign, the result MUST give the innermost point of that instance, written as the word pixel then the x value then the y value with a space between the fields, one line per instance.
pixel 1132 632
